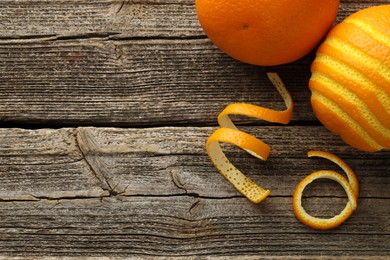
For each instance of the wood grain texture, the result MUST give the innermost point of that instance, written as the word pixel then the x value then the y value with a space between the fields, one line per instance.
pixel 51 19
pixel 94 162
pixel 169 161
pixel 145 82
pixel 73 185
pixel 44 163
pixel 153 193
pixel 114 18
pixel 172 161
pixel 184 227
pixel 122 63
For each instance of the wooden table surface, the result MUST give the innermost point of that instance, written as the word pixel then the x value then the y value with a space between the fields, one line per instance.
pixel 105 108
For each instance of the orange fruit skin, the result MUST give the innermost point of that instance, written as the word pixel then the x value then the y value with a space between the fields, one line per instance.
pixel 266 32
pixel 350 80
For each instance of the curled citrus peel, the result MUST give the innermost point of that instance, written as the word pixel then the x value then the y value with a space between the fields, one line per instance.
pixel 350 185
pixel 229 133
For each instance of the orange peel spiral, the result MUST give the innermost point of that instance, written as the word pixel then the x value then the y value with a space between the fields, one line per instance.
pixel 229 133
pixel 350 185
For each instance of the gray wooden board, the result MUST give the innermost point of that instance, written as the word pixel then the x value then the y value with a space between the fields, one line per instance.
pixel 77 186
pixel 153 191
pixel 185 226
pixel 92 162
pixel 139 82
pixel 115 18
pixel 124 63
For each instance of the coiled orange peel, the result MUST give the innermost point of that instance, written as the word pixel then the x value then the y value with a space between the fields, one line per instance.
pixel 350 185
pixel 229 133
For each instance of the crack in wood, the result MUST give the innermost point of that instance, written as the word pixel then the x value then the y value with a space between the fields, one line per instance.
pixel 34 198
pixel 82 145
pixel 121 6
pixel 193 207
pixel 176 179
pixel 97 36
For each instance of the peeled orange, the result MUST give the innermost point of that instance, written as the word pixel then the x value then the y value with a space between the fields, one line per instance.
pixel 265 32
pixel 350 80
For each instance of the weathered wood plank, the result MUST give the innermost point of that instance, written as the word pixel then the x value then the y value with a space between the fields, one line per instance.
pixel 152 192
pixel 146 82
pixel 44 163
pixel 92 162
pixel 185 227
pixel 116 18
pixel 173 160
pixel 108 81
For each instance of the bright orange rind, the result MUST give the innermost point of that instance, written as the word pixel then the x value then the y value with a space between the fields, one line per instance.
pixel 245 141
pixel 350 81
pixel 350 185
pixel 229 133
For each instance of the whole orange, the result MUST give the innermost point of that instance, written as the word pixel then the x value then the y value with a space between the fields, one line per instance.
pixel 350 80
pixel 266 32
